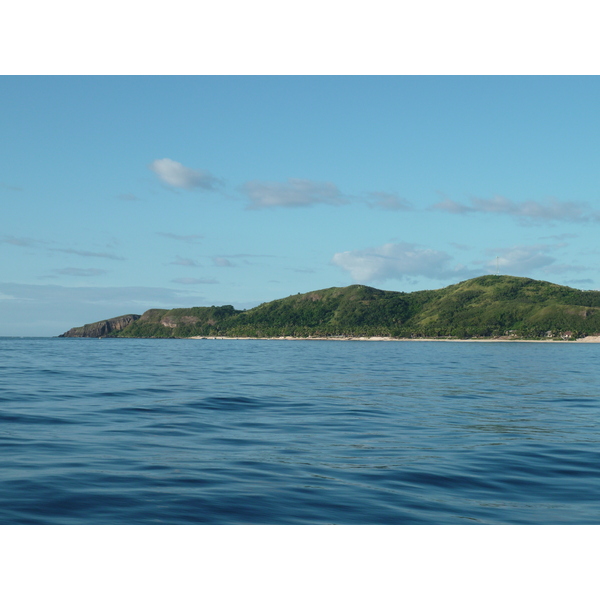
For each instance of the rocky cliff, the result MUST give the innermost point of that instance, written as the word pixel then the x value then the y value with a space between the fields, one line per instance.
pixel 101 328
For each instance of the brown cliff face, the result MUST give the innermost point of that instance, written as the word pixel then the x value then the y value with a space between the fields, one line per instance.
pixel 101 328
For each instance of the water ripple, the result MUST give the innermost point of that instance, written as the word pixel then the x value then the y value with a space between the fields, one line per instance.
pixel 163 431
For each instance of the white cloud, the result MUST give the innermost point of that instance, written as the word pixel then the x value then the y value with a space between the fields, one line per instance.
pixel 293 193
pixel 528 211
pixel 396 261
pixel 175 174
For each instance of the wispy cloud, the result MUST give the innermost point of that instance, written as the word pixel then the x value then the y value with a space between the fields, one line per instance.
pixel 59 295
pixel 250 255
pixel 385 201
pixel 220 261
pixel 128 197
pixel 185 262
pixel 11 188
pixel 223 259
pixel 451 206
pixel 52 309
pixel 396 261
pixel 561 237
pixel 181 238
pixel 586 282
pixel 293 193
pixel 560 269
pixel 460 246
pixel 193 281
pixel 528 211
pixel 176 175
pixel 74 272
pixel 520 260
pixel 7 297
pixel 14 241
pixel 89 254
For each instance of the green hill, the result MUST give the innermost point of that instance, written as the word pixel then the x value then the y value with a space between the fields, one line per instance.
pixel 488 306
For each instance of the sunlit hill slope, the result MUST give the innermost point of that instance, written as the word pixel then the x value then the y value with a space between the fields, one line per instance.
pixel 488 306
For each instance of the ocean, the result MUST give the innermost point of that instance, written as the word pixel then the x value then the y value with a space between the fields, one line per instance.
pixel 131 431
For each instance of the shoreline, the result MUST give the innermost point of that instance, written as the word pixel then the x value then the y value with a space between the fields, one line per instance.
pixel 593 339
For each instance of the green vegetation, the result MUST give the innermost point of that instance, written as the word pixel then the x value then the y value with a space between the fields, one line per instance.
pixel 488 306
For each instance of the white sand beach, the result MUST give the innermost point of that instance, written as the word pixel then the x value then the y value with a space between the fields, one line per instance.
pixel 588 339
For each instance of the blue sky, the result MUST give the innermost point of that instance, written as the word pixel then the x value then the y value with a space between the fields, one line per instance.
pixel 121 194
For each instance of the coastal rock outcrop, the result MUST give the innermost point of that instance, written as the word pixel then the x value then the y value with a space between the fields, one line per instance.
pixel 101 328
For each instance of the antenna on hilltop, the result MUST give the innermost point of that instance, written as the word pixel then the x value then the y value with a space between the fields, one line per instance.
pixel 497 270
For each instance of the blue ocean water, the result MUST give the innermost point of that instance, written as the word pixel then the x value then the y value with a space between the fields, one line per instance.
pixel 298 432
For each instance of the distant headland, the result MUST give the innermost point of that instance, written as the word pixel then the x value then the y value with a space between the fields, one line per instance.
pixel 491 307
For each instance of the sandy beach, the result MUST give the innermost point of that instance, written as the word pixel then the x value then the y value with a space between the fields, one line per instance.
pixel 588 339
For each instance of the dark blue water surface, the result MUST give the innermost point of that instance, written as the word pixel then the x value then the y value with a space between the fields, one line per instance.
pixel 298 432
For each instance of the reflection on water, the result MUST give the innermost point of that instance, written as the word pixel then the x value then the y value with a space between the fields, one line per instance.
pixel 245 431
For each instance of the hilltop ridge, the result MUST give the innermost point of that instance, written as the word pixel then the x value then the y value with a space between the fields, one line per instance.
pixel 484 307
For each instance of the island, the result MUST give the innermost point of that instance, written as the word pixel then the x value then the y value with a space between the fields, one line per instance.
pixel 500 307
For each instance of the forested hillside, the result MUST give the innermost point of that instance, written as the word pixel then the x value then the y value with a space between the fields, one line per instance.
pixel 488 306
